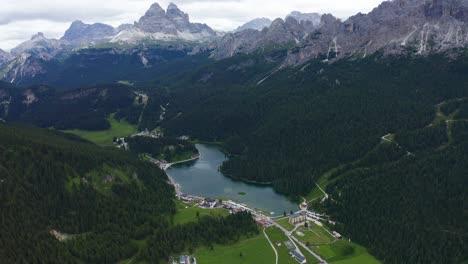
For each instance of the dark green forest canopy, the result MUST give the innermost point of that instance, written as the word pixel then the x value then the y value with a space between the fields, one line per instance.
pixel 299 123
pixel 86 108
pixel 404 199
pixel 412 210
pixel 37 165
pixel 102 199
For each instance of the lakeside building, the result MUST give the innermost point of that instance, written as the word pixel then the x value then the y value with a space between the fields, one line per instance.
pixel 297 218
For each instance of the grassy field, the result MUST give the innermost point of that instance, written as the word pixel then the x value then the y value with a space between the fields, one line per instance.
pixel 309 257
pixel 314 234
pixel 284 222
pixel 344 252
pixel 276 235
pixel 186 215
pixel 254 250
pixel 104 138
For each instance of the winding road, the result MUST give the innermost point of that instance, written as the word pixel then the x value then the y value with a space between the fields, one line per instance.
pixel 273 246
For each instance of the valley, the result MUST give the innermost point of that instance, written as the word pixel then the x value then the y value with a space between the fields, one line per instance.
pixel 301 139
pixel 118 129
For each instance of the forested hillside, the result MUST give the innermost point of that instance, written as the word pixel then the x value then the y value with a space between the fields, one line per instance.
pixel 109 63
pixel 391 129
pixel 299 123
pixel 407 210
pixel 168 149
pixel 86 108
pixel 64 200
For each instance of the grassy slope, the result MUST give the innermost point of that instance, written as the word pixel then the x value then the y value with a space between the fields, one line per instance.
pixel 275 235
pixel 314 234
pixel 334 253
pixel 284 222
pixel 104 138
pixel 185 215
pixel 254 250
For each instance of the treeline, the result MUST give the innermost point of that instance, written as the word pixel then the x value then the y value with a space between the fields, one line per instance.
pixel 169 149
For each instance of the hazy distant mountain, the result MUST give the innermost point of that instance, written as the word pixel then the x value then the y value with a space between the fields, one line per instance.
pixel 158 24
pixel 394 27
pixel 80 33
pixel 40 46
pixel 256 24
pixel 281 32
pixel 398 26
pixel 304 17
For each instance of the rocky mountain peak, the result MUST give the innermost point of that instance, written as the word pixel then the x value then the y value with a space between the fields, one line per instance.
pixel 77 24
pixel 165 25
pixel 314 18
pixel 328 19
pixel 256 24
pixel 174 12
pixel 155 11
pixel 37 36
pixel 277 24
pixel 80 33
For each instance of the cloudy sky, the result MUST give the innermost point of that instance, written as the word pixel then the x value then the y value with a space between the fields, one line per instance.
pixel 20 19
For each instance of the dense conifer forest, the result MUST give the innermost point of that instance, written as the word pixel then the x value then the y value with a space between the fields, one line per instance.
pixel 86 108
pixel 390 134
pixel 300 123
pixel 65 200
pixel 404 200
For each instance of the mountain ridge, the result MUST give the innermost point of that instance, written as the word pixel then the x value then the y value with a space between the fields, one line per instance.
pixel 396 27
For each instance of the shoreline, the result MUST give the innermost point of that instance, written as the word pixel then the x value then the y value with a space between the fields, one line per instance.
pixel 180 193
pixel 177 187
pixel 168 165
pixel 252 182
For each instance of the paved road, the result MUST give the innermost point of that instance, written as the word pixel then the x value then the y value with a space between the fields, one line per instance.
pixel 289 234
pixel 309 250
pixel 273 246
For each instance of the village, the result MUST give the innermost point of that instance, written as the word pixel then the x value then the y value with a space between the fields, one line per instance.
pixel 297 219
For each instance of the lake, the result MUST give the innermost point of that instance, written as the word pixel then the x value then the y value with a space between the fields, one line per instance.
pixel 203 178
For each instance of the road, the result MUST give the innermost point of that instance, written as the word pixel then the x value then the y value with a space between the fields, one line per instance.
pixel 309 250
pixel 273 246
pixel 391 141
pixel 320 188
pixel 289 234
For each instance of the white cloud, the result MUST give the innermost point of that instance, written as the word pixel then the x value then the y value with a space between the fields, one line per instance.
pixel 19 19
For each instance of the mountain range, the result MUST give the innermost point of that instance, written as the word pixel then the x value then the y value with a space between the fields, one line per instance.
pixel 417 27
pixel 364 121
